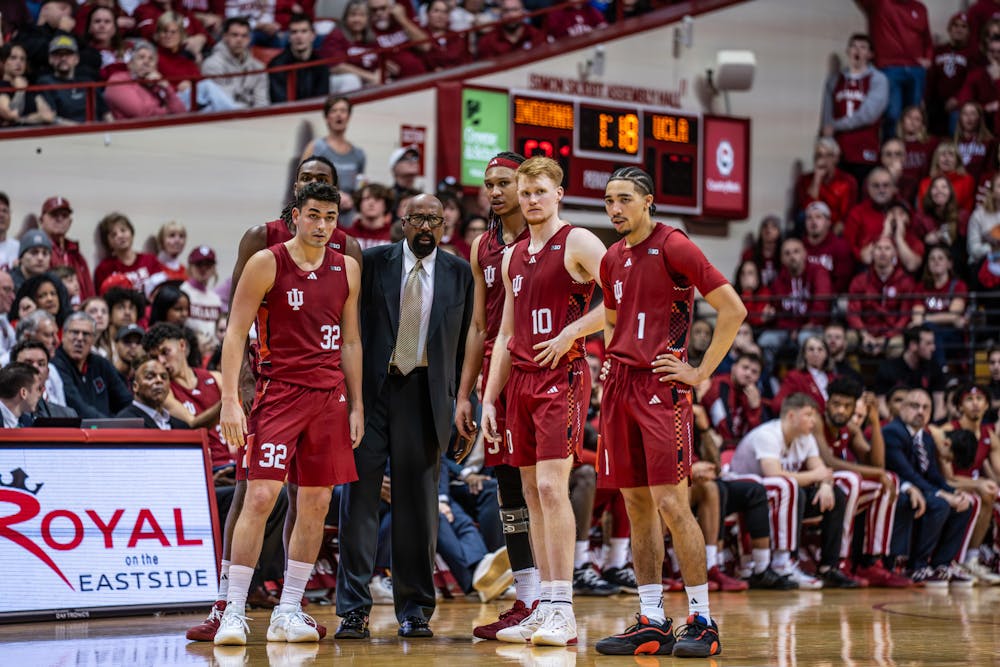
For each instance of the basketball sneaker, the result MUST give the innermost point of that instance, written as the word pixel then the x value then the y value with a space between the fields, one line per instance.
pixel 975 568
pixel 205 631
pixel 233 629
pixel 931 577
pixel 642 638
pixel 522 632
pixel 586 581
pixel 879 577
pixel 958 577
pixel 294 626
pixel 769 579
pixel 509 618
pixel 725 582
pixel 622 577
pixel 558 628
pixel 697 638
pixel 806 582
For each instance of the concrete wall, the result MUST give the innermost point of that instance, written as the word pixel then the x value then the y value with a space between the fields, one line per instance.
pixel 218 178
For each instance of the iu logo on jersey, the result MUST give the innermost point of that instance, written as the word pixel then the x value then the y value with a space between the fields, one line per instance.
pixel 618 291
pixel 295 298
pixel 489 275
pixel 516 284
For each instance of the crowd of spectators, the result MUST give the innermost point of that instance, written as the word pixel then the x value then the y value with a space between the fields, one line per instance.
pixel 156 52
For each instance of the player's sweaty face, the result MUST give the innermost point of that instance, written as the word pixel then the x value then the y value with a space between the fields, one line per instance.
pixel 316 222
pixel 539 198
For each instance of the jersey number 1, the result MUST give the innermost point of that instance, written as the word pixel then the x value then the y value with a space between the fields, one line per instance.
pixel 641 331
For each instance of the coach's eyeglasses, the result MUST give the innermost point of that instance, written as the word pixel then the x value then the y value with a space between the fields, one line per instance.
pixel 418 221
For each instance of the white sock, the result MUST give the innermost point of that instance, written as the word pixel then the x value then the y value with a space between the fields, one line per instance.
pixel 651 602
pixel 781 560
pixel 582 556
pixel 239 586
pixel 617 553
pixel 296 577
pixel 972 556
pixel 562 592
pixel 711 555
pixel 761 559
pixel 698 601
pixel 224 581
pixel 528 584
pixel 545 594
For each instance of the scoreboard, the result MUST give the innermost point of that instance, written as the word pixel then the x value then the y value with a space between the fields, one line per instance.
pixel 699 163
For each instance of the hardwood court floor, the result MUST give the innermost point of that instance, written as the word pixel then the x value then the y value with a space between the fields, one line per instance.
pixel 867 627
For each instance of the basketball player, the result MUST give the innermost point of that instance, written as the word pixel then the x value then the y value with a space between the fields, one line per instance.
pixel 506 228
pixel 314 169
pixel 304 295
pixel 649 279
pixel 549 279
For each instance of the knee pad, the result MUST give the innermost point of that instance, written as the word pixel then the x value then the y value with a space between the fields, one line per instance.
pixel 515 520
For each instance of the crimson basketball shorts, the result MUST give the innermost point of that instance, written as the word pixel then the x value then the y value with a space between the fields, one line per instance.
pixel 646 430
pixel 546 412
pixel 302 434
pixel 495 453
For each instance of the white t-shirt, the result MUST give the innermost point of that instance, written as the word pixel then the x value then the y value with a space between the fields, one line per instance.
pixel 767 441
pixel 205 309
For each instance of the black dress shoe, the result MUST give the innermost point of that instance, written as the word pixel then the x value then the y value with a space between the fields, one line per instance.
pixel 415 627
pixel 354 626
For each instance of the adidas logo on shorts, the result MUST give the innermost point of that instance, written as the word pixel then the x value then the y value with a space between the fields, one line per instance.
pixel 655 400
pixel 552 390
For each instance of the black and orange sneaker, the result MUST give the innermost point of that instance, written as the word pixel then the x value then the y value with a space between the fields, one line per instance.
pixel 697 638
pixel 642 638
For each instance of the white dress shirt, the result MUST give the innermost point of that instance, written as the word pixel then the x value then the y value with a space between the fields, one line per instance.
pixel 161 416
pixel 9 418
pixel 427 291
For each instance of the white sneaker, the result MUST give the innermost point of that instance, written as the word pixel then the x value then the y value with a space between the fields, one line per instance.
pixel 295 626
pixel 805 581
pixel 381 590
pixel 291 655
pixel 979 571
pixel 558 629
pixel 233 629
pixel 230 656
pixel 522 632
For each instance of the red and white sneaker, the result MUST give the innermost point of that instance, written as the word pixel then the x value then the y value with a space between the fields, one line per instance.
pixel 205 631
pixel 879 577
pixel 509 618
pixel 725 582
pixel 672 585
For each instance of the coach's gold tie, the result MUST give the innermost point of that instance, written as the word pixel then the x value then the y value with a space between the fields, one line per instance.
pixel 406 356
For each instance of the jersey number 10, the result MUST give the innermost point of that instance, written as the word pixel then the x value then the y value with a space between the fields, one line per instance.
pixel 541 321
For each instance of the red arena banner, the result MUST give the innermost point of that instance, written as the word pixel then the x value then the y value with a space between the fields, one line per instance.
pixel 105 522
pixel 726 160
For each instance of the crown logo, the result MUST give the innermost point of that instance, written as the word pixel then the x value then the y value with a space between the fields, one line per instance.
pixel 18 479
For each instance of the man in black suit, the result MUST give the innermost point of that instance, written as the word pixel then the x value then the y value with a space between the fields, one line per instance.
pixel 151 386
pixel 943 530
pixel 35 354
pixel 418 305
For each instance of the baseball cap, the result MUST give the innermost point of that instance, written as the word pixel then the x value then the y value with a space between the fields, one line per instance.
pixel 56 203
pixel 411 151
pixel 63 43
pixel 35 238
pixel 819 206
pixel 116 279
pixel 202 255
pixel 130 330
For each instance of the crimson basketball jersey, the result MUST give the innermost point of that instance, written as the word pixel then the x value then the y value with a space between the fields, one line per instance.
pixel 840 442
pixel 546 299
pixel 199 398
pixel 651 287
pixel 491 251
pixel 298 322
pixel 277 232
pixel 860 145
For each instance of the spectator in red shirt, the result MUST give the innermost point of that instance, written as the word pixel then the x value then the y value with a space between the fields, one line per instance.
pixel 940 222
pixel 892 156
pixel 912 130
pixel 755 296
pixel 975 142
pixel 942 304
pixel 982 82
pixel 181 67
pixel 513 34
pixel 867 221
pixel 57 218
pixel 980 14
pixel 117 235
pixel 904 48
pixel 802 298
pixel 947 162
pixel 947 73
pixel 826 249
pixel 148 12
pixel 448 48
pixel 812 374
pixel 826 183
pixel 854 101
pixel 880 301
pixel 392 27
pixel 574 19
pixel 733 401
pixel 373 226
pixel 763 250
pixel 353 45
pixel 142 92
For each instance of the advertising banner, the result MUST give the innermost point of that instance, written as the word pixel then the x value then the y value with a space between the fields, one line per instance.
pixel 485 129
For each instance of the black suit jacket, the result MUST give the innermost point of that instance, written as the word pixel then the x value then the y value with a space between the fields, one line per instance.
pixel 451 312
pixel 901 458
pixel 147 421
